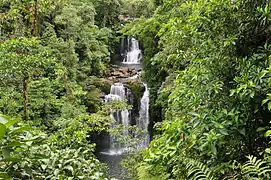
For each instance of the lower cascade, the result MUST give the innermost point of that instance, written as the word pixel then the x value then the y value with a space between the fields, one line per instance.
pixel 118 93
pixel 143 120
pixel 123 117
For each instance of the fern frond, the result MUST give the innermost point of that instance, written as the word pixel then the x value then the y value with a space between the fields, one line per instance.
pixel 197 170
pixel 256 168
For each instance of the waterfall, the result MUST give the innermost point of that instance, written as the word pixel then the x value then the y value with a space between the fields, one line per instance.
pixel 117 90
pixel 118 93
pixel 139 115
pixel 122 117
pixel 133 54
pixel 131 125
pixel 143 121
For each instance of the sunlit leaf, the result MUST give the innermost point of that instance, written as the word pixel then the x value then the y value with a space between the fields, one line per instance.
pixel 2 130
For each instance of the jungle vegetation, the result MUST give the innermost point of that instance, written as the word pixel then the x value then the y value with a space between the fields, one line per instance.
pixel 207 63
pixel 53 56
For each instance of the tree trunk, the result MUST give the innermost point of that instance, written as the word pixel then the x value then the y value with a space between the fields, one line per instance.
pixel 35 23
pixel 25 97
pixel 68 88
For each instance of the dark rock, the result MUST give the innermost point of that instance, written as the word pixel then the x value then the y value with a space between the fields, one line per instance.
pixel 105 85
pixel 137 88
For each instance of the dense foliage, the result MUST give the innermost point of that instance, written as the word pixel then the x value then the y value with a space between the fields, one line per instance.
pixel 208 65
pixel 53 55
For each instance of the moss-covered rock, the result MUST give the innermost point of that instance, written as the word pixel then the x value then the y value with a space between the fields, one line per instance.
pixel 137 88
pixel 105 85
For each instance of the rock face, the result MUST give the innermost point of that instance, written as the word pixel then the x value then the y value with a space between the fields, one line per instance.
pixel 129 77
pixel 137 88
pixel 117 73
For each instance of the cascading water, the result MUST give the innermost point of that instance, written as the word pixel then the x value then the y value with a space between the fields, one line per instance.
pixel 113 151
pixel 122 117
pixel 133 54
pixel 143 120
pixel 118 93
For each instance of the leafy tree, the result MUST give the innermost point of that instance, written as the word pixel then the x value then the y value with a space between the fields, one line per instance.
pixel 107 12
pixel 27 152
pixel 137 8
pixel 28 60
pixel 54 79
pixel 23 18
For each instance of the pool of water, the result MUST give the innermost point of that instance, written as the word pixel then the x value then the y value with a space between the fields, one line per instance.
pixel 113 162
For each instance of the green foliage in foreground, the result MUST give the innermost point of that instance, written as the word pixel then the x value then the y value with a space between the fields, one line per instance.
pixel 215 102
pixel 29 153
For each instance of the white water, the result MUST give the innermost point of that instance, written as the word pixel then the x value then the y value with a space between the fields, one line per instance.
pixel 134 54
pixel 143 121
pixel 113 152
pixel 118 93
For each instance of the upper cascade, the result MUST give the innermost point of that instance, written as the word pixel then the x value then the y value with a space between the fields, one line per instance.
pixel 132 53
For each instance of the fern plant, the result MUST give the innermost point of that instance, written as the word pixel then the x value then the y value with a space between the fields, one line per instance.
pixel 253 169
pixel 198 171
pixel 256 169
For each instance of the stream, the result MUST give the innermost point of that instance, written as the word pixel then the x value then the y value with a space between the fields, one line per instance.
pixel 114 151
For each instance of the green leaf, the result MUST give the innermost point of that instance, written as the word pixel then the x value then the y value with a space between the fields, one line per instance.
pixel 2 130
pixel 242 131
pixel 6 152
pixel 269 106
pixel 56 172
pixel 224 132
pixel 268 133
pixel 232 92
pixel 4 175
pixel 213 149
pixel 21 129
pixel 3 120
pixel 43 166
pixel 11 159
pixel 13 144
pixel 265 101
pixel 70 168
pixel 267 150
pixel 11 122
pixel 261 129
pixel 41 156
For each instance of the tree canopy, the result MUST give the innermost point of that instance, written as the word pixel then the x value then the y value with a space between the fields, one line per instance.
pixel 207 63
